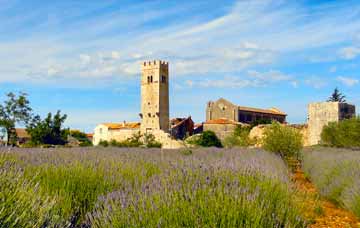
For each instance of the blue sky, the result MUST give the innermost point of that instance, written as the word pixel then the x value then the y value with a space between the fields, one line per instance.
pixel 83 57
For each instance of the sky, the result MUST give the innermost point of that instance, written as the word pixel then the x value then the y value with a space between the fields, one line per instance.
pixel 83 57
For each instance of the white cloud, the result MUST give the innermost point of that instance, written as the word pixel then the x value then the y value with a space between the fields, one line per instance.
pixel 348 81
pixel 270 76
pixel 349 52
pixel 333 69
pixel 249 35
pixel 316 82
pixel 85 59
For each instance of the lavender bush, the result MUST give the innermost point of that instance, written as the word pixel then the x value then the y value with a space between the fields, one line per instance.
pixel 336 173
pixel 119 187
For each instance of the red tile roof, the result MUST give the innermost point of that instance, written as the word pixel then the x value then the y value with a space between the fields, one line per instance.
pixel 116 126
pixel 221 121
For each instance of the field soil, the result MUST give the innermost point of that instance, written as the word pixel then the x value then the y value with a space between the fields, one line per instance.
pixel 324 213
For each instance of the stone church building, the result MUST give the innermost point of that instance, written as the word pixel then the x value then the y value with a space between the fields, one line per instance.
pixel 222 108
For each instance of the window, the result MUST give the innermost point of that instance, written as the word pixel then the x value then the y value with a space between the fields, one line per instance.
pixel 100 130
pixel 148 79
pixel 163 79
pixel 151 79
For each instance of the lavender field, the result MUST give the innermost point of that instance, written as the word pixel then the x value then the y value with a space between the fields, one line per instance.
pixel 97 187
pixel 336 173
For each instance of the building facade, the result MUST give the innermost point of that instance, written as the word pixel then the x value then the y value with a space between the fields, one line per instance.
pixel 225 109
pixel 322 113
pixel 114 131
pixel 181 127
pixel 154 96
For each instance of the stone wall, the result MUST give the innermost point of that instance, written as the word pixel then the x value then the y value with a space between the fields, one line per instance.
pixel 319 115
pixel 221 130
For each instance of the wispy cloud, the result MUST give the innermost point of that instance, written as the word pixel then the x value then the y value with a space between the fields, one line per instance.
pixel 348 81
pixel 110 44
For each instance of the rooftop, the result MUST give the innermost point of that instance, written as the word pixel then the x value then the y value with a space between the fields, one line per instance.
pixel 124 125
pixel 222 121
pixel 273 111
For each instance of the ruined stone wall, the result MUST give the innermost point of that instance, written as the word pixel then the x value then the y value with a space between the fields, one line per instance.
pixel 319 115
pixel 166 140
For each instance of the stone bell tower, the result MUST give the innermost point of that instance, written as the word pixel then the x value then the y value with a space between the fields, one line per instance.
pixel 154 96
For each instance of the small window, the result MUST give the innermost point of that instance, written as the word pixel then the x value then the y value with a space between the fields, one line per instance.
pixel 100 130
pixel 151 79
pixel 163 79
pixel 148 79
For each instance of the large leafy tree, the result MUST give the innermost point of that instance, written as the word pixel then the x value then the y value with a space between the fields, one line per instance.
pixel 15 110
pixel 48 131
pixel 336 96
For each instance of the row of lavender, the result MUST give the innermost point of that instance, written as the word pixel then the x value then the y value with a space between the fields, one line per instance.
pixel 336 173
pixel 111 187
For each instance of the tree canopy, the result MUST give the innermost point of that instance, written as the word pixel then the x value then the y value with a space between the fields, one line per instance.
pixel 15 110
pixel 337 96
pixel 48 131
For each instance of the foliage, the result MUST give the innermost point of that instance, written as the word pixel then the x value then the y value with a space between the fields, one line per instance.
pixel 136 140
pixel 21 204
pixel 345 133
pixel 336 173
pixel 104 143
pixel 118 187
pixel 336 96
pixel 283 140
pixel 81 137
pixel 150 141
pixel 49 130
pixel 260 122
pixel 15 110
pixel 206 139
pixel 240 137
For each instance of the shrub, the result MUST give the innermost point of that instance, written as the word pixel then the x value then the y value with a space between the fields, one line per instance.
pixel 150 141
pixel 206 139
pixel 240 137
pixel 104 143
pixel 345 133
pixel 81 137
pixel 283 140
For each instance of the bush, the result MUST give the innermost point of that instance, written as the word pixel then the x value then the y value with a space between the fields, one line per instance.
pixel 104 143
pixel 345 133
pixel 81 137
pixel 283 140
pixel 240 137
pixel 151 142
pixel 206 139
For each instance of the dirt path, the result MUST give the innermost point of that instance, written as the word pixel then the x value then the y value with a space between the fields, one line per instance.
pixel 322 212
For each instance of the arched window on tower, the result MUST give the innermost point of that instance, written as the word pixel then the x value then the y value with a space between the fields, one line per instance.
pixel 151 79
pixel 163 79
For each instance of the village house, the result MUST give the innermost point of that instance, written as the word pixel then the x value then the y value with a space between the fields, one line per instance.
pixel 114 131
pixel 181 127
pixel 225 109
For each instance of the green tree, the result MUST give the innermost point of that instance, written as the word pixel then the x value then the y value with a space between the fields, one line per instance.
pixel 336 96
pixel 49 130
pixel 209 139
pixel 15 110
pixel 81 137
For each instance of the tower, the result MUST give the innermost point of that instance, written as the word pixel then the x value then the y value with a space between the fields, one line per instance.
pixel 154 96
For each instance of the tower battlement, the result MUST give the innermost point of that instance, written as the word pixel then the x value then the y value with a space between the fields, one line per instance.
pixel 154 63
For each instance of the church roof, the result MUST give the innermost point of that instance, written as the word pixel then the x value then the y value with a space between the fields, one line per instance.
pixel 273 111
